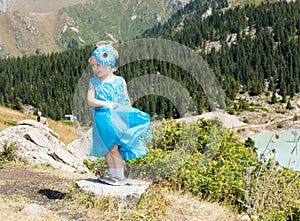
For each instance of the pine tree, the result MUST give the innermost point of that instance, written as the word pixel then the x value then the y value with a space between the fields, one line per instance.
pixel 289 105
pixel 273 98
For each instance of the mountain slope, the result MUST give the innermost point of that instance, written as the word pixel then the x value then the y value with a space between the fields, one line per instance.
pixel 268 63
pixel 23 34
pixel 42 6
pixel 92 20
pixel 38 26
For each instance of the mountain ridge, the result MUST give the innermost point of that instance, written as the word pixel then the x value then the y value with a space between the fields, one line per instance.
pixel 33 27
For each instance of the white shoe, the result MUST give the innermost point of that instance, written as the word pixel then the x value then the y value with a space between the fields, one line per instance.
pixel 107 179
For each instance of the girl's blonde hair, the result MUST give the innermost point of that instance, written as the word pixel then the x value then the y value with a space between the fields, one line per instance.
pixel 110 43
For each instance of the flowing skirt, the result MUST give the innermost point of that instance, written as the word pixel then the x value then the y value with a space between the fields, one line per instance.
pixel 127 127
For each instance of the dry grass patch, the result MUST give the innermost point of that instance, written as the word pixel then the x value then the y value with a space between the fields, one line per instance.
pixel 8 117
pixel 66 132
pixel 190 208
pixel 22 184
pixel 43 6
pixel 11 209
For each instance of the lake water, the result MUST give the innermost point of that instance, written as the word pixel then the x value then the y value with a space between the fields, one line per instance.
pixel 284 142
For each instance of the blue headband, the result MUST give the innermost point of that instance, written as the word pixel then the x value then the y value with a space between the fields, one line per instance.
pixel 105 55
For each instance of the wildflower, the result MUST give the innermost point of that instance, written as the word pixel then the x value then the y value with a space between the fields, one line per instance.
pixel 263 160
pixel 274 151
pixel 276 136
pixel 196 161
pixel 276 163
pixel 279 169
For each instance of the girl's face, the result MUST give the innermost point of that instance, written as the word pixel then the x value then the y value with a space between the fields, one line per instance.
pixel 98 69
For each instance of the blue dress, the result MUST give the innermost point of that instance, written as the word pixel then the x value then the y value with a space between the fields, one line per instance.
pixel 124 125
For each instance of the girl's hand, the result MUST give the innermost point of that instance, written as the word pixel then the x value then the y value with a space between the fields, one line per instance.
pixel 111 105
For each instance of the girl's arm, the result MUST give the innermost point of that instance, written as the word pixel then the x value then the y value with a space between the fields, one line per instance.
pixel 93 102
pixel 126 92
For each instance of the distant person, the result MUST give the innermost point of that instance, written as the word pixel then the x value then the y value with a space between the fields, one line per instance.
pixel 119 132
pixel 41 119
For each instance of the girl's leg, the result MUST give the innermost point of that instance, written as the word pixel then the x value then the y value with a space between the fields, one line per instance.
pixel 115 163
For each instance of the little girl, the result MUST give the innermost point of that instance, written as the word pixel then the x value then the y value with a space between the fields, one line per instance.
pixel 120 132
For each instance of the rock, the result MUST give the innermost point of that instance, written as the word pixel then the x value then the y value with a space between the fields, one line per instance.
pixel 34 209
pixel 131 192
pixel 81 147
pixel 38 144
pixel 5 5
pixel 28 109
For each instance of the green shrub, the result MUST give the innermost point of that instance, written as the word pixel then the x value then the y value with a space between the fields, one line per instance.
pixel 280 125
pixel 246 120
pixel 221 180
pixel 241 130
pixel 221 168
pixel 68 122
pixel 9 122
pixel 271 191
pixel 231 112
pixel 280 111
pixel 8 153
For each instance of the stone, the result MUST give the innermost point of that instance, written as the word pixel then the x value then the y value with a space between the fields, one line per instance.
pixel 131 192
pixel 34 209
pixel 38 144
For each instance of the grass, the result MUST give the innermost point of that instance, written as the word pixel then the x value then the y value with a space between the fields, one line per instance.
pixel 158 203
pixel 272 192
pixel 115 18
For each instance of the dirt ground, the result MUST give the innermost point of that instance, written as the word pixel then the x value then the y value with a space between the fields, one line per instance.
pixel 47 188
pixel 35 185
pixel 21 185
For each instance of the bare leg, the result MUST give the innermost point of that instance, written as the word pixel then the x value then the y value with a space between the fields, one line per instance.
pixel 114 158
pixel 115 163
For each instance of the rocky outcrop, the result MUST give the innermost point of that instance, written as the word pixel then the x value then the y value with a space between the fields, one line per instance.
pixel 177 4
pixel 38 144
pixel 5 5
pixel 4 50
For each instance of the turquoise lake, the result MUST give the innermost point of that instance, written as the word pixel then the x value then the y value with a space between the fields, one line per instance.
pixel 284 142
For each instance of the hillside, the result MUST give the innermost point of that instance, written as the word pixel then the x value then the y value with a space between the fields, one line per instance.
pixel 35 5
pixel 34 27
pixel 266 62
pixel 40 186
pixel 41 192
pixel 42 6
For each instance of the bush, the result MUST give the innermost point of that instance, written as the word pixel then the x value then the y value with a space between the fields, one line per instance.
pixel 241 130
pixel 222 169
pixel 280 125
pixel 246 120
pixel 9 122
pixel 8 153
pixel 222 179
pixel 231 112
